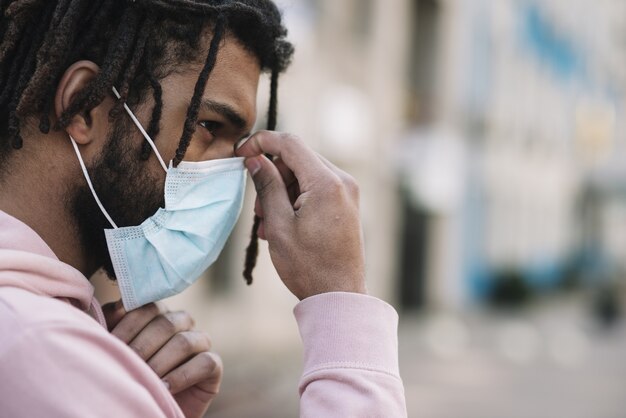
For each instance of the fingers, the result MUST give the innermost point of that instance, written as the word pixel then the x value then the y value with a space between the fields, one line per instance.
pixel 113 313
pixel 135 321
pixel 290 181
pixel 348 181
pixel 293 188
pixel 205 369
pixel 270 188
pixel 177 350
pixel 258 211
pixel 285 172
pixel 159 331
pixel 291 149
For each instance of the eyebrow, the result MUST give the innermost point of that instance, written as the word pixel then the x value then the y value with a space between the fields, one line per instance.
pixel 225 110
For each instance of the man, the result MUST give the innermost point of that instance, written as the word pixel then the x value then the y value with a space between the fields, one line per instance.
pixel 96 97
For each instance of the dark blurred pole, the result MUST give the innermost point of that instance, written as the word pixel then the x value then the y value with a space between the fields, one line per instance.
pixel 414 238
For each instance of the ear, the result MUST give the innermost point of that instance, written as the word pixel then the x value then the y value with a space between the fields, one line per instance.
pixel 75 79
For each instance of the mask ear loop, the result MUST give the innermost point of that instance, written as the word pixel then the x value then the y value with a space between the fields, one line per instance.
pixel 143 131
pixel 93 191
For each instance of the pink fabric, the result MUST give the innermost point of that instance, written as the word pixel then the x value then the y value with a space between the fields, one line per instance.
pixel 58 360
pixel 350 357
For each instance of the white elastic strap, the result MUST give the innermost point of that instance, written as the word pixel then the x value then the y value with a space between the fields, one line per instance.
pixel 86 174
pixel 143 131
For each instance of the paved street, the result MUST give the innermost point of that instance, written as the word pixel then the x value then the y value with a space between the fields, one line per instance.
pixel 549 361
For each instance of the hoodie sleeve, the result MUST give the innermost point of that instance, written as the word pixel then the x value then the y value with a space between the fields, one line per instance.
pixel 350 357
pixel 65 370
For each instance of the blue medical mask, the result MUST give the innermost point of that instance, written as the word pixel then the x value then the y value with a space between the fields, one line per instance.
pixel 172 248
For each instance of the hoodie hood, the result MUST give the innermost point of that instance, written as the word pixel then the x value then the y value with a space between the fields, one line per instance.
pixel 28 263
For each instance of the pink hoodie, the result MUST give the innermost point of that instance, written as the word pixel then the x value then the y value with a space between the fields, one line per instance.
pixel 57 358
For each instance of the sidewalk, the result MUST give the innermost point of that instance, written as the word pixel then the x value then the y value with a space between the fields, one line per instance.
pixel 548 362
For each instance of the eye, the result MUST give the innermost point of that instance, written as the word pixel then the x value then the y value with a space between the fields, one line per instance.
pixel 210 126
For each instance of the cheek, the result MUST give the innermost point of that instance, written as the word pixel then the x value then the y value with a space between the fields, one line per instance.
pixel 199 151
pixel 168 139
pixel 195 152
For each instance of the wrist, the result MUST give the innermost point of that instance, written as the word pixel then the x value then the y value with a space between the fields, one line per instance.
pixel 343 286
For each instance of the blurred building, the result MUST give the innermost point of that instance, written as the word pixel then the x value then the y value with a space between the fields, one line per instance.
pixel 519 108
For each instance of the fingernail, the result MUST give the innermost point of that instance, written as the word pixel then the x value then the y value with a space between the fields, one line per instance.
pixel 253 165
pixel 241 142
pixel 166 384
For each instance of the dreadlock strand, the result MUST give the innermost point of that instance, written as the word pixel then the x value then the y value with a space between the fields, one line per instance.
pixel 252 251
pixel 3 5
pixel 22 68
pixel 192 112
pixel 133 64
pixel 119 50
pixel 155 121
pixel 18 59
pixel 50 59
pixel 127 36
pixel 20 14
pixel 25 61
pixel 61 10
pixel 14 131
pixel 29 65
pixel 95 27
pixel 272 113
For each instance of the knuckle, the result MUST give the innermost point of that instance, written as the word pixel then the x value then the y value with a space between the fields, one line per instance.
pixel 185 320
pixel 189 319
pixel 160 307
pixel 139 349
pixel 349 181
pixel 182 379
pixel 207 363
pixel 207 342
pixel 263 186
pixel 262 136
pixel 276 237
pixel 150 310
pixel 184 342
pixel 263 133
pixel 291 138
pixel 290 143
pixel 351 185
pixel 271 236
pixel 334 185
pixel 168 324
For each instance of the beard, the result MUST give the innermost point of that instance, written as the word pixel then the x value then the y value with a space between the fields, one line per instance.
pixel 127 188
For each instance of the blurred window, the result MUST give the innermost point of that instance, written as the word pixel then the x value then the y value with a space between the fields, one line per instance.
pixel 423 57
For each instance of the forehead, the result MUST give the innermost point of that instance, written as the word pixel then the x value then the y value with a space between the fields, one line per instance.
pixel 234 80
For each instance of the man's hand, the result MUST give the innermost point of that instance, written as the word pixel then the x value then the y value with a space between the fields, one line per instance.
pixel 180 356
pixel 310 215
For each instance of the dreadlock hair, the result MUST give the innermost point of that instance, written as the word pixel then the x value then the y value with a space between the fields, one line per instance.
pixel 252 251
pixel 136 43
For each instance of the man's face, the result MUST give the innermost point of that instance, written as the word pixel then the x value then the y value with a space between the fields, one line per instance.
pixel 132 189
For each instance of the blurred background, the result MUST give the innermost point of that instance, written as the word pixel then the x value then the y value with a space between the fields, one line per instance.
pixel 489 140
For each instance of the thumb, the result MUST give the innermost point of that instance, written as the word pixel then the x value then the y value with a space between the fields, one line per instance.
pixel 113 313
pixel 270 188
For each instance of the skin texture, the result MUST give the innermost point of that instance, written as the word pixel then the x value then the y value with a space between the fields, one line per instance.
pixel 310 215
pixel 178 354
